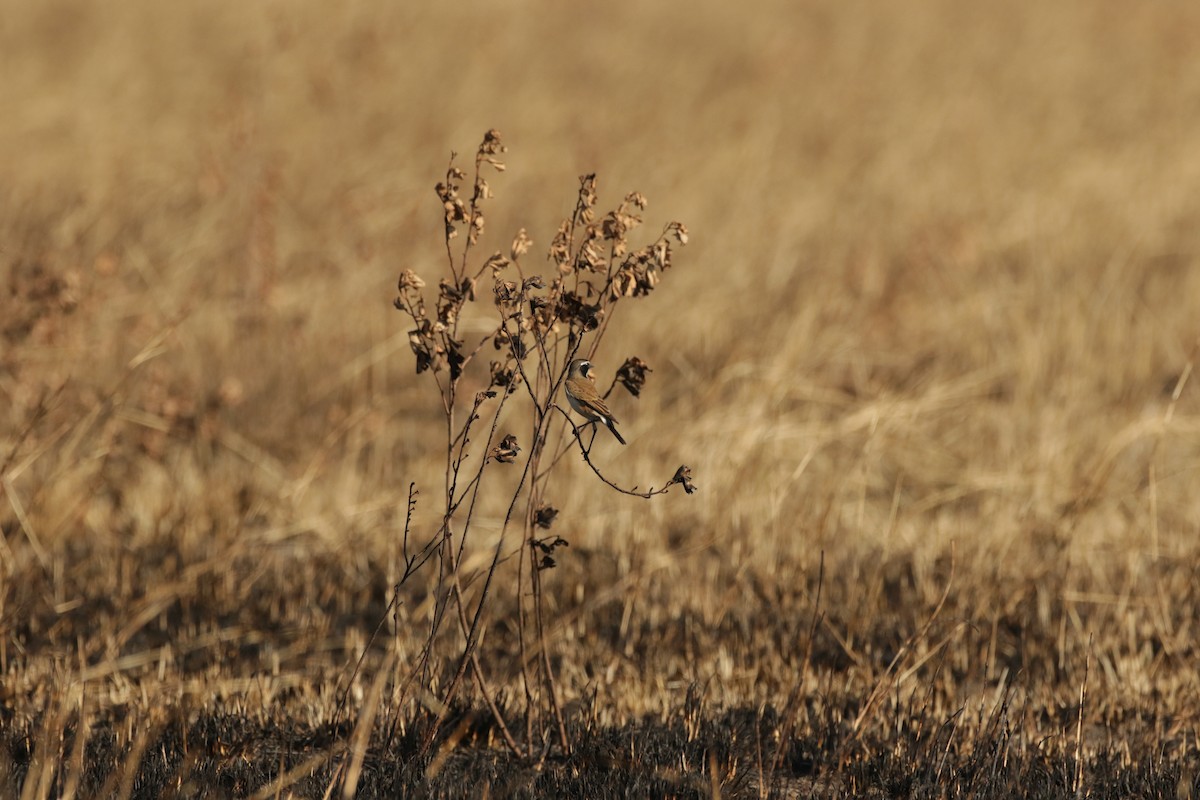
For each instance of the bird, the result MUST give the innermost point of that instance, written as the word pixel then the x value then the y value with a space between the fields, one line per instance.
pixel 580 388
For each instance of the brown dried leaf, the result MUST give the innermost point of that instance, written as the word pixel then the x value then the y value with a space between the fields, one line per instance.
pixel 425 347
pixel 560 247
pixel 450 300
pixel 662 254
pixel 591 254
pixel 497 263
pixel 624 283
pixel 455 357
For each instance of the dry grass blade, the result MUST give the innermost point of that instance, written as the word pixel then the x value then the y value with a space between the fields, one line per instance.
pixel 360 739
pixel 889 678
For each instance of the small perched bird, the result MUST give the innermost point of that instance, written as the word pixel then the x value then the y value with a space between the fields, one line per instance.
pixel 583 396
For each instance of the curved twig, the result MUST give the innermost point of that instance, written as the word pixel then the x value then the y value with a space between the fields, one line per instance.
pixel 652 492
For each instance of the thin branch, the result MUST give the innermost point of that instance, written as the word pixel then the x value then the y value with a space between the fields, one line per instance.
pixel 587 459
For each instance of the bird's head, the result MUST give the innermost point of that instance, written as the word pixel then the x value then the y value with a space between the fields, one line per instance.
pixel 580 368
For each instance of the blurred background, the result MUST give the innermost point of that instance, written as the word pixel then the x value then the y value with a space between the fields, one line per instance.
pixel 941 285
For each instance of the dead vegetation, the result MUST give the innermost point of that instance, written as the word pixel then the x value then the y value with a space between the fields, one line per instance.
pixel 929 353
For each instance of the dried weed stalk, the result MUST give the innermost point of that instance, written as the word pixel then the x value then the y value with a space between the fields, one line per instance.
pixel 540 323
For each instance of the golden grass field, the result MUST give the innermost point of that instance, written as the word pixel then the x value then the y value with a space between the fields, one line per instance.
pixel 929 354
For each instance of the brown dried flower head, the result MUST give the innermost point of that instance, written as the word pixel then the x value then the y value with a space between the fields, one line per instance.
pixel 544 516
pixel 592 256
pixel 520 245
pixel 504 377
pixel 516 345
pixel 547 547
pixel 683 477
pixel 492 146
pixel 543 316
pixel 489 148
pixel 506 452
pixel 506 293
pixel 409 280
pixel 618 223
pixel 454 209
pixel 632 375
pixel 560 247
pixel 679 231
pixel 642 269
pixel 572 308
pixel 587 197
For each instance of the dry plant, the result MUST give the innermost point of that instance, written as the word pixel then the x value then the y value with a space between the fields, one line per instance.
pixel 540 325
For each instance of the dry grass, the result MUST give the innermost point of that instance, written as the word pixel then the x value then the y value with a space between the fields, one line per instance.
pixel 935 330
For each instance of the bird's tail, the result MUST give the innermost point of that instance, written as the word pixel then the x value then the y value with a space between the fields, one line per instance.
pixel 613 428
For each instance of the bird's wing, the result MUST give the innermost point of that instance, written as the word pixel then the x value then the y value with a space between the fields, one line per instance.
pixel 585 393
pixel 600 408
